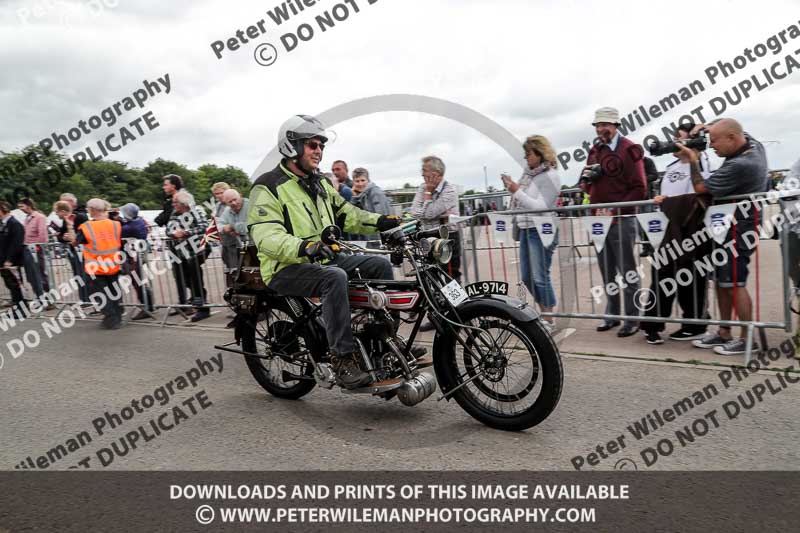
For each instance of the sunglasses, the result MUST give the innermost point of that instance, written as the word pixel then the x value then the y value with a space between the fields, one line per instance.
pixel 315 144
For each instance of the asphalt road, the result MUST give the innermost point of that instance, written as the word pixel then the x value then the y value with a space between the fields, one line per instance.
pixel 52 393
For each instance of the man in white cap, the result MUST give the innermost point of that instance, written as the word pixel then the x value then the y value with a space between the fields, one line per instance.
pixel 622 179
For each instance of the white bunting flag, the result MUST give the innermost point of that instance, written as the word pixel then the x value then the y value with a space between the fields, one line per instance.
pixel 718 220
pixel 598 229
pixel 655 225
pixel 455 220
pixel 546 227
pixel 502 228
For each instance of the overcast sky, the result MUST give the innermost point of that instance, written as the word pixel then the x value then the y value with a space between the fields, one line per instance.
pixel 532 66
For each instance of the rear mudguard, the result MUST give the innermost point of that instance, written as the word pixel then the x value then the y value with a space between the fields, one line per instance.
pixel 513 308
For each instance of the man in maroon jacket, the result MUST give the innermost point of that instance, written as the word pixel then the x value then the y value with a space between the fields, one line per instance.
pixel 623 180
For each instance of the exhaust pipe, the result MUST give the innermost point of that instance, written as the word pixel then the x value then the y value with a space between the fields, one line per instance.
pixel 416 389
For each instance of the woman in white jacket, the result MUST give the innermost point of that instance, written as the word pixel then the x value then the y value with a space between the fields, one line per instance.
pixel 537 189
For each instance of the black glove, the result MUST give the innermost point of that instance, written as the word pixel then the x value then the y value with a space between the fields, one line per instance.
pixel 387 222
pixel 319 251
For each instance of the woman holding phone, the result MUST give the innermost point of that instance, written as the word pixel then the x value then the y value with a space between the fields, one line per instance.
pixel 537 189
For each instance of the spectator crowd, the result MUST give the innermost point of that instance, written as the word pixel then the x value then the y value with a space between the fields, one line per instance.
pixel 92 235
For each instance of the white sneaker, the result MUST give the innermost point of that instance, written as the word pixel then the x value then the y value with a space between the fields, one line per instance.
pixel 712 339
pixel 735 347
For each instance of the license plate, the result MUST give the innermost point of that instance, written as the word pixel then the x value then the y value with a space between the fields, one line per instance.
pixel 454 293
pixel 487 287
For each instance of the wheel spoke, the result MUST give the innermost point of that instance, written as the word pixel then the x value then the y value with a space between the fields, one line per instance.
pixel 501 366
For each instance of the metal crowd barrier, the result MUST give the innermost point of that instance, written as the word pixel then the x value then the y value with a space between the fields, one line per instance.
pixel 155 278
pixel 579 286
pixel 575 272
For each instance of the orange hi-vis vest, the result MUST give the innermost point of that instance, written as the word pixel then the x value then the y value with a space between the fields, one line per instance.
pixel 102 253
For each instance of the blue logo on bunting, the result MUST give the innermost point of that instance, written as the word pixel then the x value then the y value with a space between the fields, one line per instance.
pixel 654 226
pixel 547 228
pixel 717 220
pixel 597 228
pixel 501 225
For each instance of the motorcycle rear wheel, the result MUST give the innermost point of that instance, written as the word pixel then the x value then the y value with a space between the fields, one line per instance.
pixel 272 336
pixel 506 385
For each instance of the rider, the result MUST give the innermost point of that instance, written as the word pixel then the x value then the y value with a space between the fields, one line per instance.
pixel 289 207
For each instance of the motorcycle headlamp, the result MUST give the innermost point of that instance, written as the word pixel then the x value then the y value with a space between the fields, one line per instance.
pixel 440 250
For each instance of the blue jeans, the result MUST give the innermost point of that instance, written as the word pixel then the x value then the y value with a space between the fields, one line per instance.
pixel 534 264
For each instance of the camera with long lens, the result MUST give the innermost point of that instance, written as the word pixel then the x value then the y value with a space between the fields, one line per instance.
pixel 698 142
pixel 590 174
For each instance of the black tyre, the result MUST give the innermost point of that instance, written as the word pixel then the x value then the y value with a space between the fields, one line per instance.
pixel 275 337
pixel 511 379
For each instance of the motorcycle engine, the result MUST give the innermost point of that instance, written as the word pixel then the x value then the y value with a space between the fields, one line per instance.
pixel 370 328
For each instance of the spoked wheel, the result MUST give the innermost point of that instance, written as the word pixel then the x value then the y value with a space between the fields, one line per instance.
pixel 286 353
pixel 509 376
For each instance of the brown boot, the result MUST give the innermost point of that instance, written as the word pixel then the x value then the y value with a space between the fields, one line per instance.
pixel 348 373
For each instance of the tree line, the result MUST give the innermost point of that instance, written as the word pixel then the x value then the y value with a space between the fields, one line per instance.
pixel 44 176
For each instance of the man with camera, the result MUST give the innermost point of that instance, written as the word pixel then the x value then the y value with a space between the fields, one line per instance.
pixel 615 173
pixel 685 212
pixel 744 171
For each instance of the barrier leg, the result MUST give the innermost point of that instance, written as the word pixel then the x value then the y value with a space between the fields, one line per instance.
pixel 748 353
pixel 475 252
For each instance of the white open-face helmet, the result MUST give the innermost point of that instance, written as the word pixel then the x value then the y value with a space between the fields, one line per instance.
pixel 295 131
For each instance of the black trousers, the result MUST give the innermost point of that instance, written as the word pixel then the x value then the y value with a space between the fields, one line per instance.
pixel 691 298
pixel 12 279
pixel 180 282
pixel 112 310
pixel 142 289
pixel 617 259
pixel 329 282
pixel 191 277
pixel 76 261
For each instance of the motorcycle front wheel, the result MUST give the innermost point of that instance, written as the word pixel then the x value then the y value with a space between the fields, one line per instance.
pixel 284 349
pixel 508 377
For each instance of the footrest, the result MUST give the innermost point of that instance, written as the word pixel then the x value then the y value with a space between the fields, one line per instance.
pixel 379 387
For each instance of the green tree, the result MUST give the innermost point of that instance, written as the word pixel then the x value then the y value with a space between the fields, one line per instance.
pixel 44 176
pixel 154 174
pixel 233 176
pixel 31 172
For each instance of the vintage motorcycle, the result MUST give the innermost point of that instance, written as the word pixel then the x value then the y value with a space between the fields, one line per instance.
pixel 490 352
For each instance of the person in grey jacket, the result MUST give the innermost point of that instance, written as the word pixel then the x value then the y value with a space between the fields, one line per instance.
pixel 537 189
pixel 234 219
pixel 369 197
